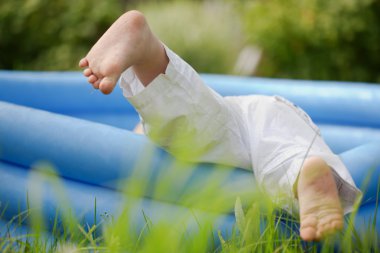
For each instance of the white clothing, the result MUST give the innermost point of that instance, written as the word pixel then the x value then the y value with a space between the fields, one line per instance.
pixel 267 134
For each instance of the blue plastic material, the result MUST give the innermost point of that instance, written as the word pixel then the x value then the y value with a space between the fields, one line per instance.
pixel 18 184
pixel 68 93
pixel 92 158
pixel 102 155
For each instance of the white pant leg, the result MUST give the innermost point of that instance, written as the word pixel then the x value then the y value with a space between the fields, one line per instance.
pixel 184 116
pixel 196 124
pixel 282 137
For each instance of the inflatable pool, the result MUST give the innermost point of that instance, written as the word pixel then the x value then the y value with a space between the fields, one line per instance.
pixel 86 136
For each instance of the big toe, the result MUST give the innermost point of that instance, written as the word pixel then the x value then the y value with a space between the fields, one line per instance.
pixel 308 233
pixel 308 230
pixel 107 85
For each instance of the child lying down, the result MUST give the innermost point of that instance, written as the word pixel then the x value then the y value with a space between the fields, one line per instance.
pixel 268 135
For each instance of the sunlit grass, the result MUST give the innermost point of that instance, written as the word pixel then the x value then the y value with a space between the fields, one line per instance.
pixel 260 226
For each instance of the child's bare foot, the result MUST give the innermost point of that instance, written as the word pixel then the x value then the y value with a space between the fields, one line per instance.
pixel 128 42
pixel 320 210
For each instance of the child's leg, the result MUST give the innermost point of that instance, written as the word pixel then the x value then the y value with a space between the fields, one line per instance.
pixel 285 146
pixel 176 105
pixel 128 42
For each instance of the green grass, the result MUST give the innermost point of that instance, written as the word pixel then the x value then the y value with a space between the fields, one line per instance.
pixel 260 226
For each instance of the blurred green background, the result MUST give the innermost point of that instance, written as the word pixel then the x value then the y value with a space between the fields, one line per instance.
pixel 301 39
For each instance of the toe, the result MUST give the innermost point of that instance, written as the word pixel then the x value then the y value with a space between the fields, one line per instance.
pixel 330 224
pixel 92 79
pixel 324 231
pixel 308 233
pixel 330 228
pixel 308 228
pixel 83 63
pixel 96 84
pixel 327 230
pixel 318 235
pixel 337 225
pixel 107 84
pixel 87 72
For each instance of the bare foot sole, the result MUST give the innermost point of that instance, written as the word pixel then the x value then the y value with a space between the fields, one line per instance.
pixel 321 214
pixel 124 44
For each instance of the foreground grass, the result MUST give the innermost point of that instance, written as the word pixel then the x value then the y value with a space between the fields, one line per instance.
pixel 255 231
pixel 259 226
